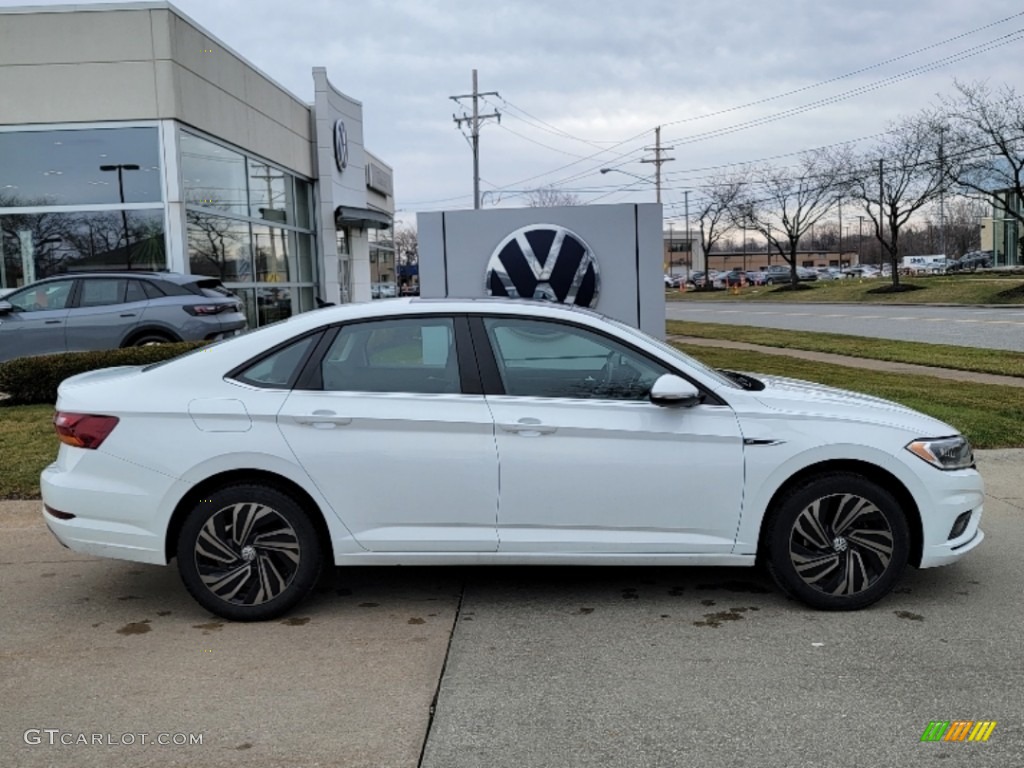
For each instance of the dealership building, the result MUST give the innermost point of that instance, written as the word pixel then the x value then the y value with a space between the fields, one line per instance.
pixel 132 138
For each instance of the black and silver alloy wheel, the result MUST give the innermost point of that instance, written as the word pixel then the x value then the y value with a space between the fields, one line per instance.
pixel 838 542
pixel 841 545
pixel 248 553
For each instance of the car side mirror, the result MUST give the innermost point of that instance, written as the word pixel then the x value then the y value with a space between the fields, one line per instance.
pixel 6 307
pixel 672 391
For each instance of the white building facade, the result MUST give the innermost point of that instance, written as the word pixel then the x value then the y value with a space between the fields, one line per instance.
pixel 131 138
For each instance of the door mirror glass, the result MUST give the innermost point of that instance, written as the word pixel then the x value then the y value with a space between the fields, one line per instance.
pixel 671 390
pixel 5 307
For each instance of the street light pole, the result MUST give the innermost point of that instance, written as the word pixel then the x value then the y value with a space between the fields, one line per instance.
pixel 120 168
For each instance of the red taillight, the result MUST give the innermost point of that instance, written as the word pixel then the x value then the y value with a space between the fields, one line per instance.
pixel 83 430
pixel 210 309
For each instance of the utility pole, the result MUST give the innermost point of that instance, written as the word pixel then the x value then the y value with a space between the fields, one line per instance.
pixel 689 240
pixel 658 160
pixel 474 123
pixel 942 193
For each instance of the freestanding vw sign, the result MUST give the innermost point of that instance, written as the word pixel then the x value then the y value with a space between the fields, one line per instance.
pixel 544 261
pixel 605 257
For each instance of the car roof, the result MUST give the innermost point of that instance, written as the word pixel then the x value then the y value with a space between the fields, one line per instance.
pixel 172 277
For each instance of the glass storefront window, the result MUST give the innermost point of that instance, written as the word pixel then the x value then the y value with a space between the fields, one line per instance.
pixel 213 176
pixel 42 244
pixel 270 194
pixel 303 250
pixel 79 167
pixel 303 204
pixel 219 247
pixel 270 246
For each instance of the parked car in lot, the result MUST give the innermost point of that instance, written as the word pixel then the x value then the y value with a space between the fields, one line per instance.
pixel 861 270
pixel 756 277
pixel 733 278
pixel 780 273
pixel 972 261
pixel 106 310
pixel 829 273
pixel 581 417
pixel 700 279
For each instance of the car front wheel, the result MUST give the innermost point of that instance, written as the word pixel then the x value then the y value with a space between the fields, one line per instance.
pixel 838 542
pixel 248 553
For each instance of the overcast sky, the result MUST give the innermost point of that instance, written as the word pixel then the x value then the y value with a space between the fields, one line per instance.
pixel 583 83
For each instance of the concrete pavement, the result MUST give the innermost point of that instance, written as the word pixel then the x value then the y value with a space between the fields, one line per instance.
pixel 535 666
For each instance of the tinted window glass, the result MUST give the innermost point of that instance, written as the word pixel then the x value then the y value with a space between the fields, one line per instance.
pixel 98 292
pixel 280 368
pixel 134 292
pixel 213 176
pixel 65 167
pixel 414 355
pixel 152 289
pixel 270 194
pixel 546 359
pixel 81 241
pixel 53 295
pixel 218 247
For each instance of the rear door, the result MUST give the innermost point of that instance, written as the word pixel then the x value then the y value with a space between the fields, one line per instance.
pixel 394 430
pixel 104 313
pixel 36 324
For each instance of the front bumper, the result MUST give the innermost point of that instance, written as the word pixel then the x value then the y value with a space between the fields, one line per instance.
pixel 949 495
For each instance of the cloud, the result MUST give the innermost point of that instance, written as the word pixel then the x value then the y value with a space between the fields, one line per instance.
pixel 602 71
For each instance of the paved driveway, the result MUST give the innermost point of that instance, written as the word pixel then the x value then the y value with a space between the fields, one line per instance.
pixel 985 328
pixel 541 667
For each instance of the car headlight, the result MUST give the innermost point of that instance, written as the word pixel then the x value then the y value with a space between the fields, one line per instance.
pixel 944 452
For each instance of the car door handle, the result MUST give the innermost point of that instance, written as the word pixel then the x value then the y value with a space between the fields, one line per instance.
pixel 529 428
pixel 53 322
pixel 322 420
pixel 127 314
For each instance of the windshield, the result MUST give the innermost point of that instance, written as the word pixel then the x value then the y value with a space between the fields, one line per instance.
pixel 676 354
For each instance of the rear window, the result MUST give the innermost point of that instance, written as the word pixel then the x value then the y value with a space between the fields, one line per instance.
pixel 211 289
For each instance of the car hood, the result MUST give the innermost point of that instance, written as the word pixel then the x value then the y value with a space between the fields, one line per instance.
pixel 820 401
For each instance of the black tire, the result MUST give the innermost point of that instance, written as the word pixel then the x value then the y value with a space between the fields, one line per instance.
pixel 769 281
pixel 148 339
pixel 262 572
pixel 837 543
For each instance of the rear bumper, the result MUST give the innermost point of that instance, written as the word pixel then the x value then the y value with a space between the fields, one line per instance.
pixel 117 506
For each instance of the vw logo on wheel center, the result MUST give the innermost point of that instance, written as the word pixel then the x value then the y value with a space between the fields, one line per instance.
pixel 544 261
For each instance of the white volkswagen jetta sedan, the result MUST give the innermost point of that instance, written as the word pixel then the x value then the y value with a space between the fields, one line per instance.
pixel 494 431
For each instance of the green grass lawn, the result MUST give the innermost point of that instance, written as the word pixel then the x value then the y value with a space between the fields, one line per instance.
pixel 941 289
pixel 991 416
pixel 27 444
pixel 941 355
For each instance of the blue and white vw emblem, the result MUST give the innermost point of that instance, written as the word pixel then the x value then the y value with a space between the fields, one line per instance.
pixel 544 261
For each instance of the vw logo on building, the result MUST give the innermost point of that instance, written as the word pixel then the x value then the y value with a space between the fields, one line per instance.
pixel 340 145
pixel 544 261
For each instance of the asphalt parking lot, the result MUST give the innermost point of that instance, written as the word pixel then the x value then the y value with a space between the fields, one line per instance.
pixel 511 667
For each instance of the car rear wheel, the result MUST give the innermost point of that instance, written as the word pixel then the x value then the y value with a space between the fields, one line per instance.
pixel 149 339
pixel 838 542
pixel 248 553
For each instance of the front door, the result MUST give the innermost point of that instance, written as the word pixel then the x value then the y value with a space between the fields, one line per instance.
pixel 589 465
pixel 406 459
pixel 106 311
pixel 37 323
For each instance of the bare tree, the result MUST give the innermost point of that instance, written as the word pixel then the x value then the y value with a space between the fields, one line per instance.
pixel 782 204
pixel 986 129
pixel 550 197
pixel 406 245
pixel 902 175
pixel 714 216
